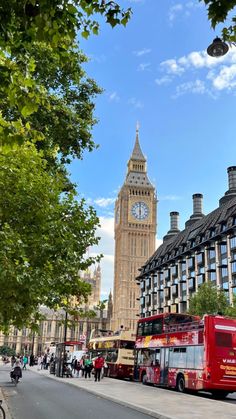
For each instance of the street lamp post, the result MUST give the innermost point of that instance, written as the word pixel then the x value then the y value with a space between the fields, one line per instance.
pixel 218 48
pixel 65 336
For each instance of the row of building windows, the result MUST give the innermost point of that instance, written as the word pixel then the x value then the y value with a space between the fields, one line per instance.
pixel 222 246
pixel 135 192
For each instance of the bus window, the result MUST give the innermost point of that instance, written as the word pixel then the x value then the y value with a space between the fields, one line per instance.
pixel 147 330
pixel 125 344
pixel 190 357
pixel 139 357
pixel 157 326
pixel 140 329
pixel 112 356
pixel 198 357
pixel 178 358
pixel 157 358
pixel 146 357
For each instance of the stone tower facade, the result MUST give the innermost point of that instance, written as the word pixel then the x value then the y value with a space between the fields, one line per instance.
pixel 135 236
pixel 94 279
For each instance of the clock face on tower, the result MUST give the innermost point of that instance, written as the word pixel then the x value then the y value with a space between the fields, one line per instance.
pixel 140 210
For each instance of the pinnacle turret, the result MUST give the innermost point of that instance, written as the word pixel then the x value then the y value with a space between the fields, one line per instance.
pixel 137 153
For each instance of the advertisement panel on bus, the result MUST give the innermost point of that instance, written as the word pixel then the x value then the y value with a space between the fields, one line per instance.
pixel 185 352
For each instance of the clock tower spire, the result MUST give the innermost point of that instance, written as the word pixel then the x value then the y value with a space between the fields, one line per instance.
pixel 135 235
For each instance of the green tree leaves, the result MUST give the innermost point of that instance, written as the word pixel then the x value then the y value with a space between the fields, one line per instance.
pixel 46 118
pixel 209 300
pixel 43 238
pixel 219 12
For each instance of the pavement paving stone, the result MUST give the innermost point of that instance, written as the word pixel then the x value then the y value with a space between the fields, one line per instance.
pixel 158 403
pixel 4 405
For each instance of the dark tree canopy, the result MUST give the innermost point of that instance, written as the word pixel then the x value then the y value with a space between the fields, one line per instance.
pixel 45 95
pixel 222 11
pixel 43 238
pixel 46 118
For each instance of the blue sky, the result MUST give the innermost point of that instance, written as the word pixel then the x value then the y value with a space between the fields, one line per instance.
pixel 156 71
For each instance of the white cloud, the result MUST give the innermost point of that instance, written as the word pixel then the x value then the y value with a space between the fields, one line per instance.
pixel 105 247
pixel 142 52
pixel 172 66
pixel 174 10
pixel 113 97
pixel 203 74
pixel 143 66
pixel 226 78
pixel 163 80
pixel 197 86
pixel 136 103
pixel 183 10
pixel 104 202
pixel 169 198
pixel 196 60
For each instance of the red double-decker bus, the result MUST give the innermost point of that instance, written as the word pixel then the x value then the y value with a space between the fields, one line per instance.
pixel 185 352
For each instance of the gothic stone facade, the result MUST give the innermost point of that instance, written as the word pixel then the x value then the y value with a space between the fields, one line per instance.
pixel 135 233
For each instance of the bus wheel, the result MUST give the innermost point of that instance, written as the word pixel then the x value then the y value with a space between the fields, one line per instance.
pixel 219 395
pixel 144 379
pixel 180 385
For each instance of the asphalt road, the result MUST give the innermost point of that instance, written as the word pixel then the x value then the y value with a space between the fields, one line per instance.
pixel 38 397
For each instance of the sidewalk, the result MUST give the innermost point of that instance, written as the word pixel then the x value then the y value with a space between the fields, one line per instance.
pixel 4 405
pixel 156 402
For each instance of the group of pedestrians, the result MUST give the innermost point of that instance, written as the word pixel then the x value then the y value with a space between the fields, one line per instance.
pixel 23 360
pixel 86 366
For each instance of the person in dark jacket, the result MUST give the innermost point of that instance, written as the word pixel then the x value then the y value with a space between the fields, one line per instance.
pixel 74 363
pixel 31 360
pixel 16 371
pixel 87 367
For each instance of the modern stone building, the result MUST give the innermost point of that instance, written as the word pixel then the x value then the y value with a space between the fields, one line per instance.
pixel 204 251
pixel 135 235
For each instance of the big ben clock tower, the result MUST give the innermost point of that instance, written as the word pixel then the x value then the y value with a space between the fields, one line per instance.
pixel 135 235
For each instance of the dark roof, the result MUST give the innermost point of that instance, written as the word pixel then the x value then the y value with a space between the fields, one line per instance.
pixel 204 230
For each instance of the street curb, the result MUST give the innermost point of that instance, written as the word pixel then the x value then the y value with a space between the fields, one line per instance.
pixel 138 408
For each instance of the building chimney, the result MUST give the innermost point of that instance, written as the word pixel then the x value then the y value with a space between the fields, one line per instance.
pixel 174 225
pixel 231 193
pixel 197 204
pixel 174 221
pixel 197 209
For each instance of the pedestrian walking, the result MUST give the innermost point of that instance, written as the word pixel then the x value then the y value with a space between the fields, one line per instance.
pixel 105 369
pixel 40 363
pixel 98 365
pixel 78 369
pixel 74 364
pixel 44 361
pixel 25 361
pixel 31 364
pixel 87 367
pixel 13 360
pixel 48 357
pixel 82 365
